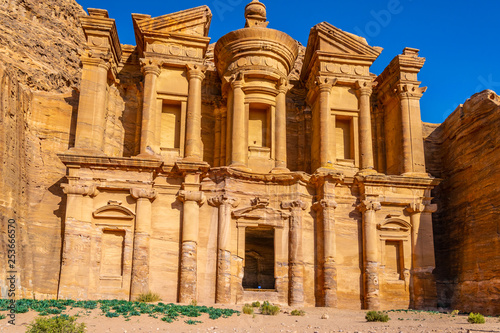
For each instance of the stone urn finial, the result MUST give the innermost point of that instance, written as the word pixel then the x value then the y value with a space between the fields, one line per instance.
pixel 255 14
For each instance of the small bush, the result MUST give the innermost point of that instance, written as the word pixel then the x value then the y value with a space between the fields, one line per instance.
pixel 62 323
pixel 269 309
pixel 194 302
pixel 455 312
pixel 247 309
pixel 148 297
pixel 2 316
pixel 192 322
pixel 256 304
pixel 476 318
pixel 298 313
pixel 377 316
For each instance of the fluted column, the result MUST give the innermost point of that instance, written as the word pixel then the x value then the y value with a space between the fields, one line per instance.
pixel 240 126
pixel 296 260
pixel 224 203
pixel 327 209
pixel 142 234
pixel 280 146
pixel 190 227
pixel 328 149
pixel 193 148
pixel 365 126
pixel 149 143
pixel 75 267
pixel 91 121
pixel 371 261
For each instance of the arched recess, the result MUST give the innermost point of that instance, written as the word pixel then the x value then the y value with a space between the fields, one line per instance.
pixel 114 233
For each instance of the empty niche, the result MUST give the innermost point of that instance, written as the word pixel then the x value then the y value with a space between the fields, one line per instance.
pixel 258 122
pixel 259 259
pixel 343 136
pixel 171 125
pixel 113 243
pixel 394 258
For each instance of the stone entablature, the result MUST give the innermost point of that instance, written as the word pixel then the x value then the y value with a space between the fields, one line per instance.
pixel 210 208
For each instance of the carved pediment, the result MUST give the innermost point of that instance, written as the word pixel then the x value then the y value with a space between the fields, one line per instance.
pixel 114 212
pixel 328 40
pixel 190 23
pixel 395 225
pixel 260 214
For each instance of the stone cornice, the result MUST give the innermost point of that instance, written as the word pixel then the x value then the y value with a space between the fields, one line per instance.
pixel 398 181
pixel 123 163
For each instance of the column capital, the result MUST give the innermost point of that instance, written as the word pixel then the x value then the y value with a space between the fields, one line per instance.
pixel 325 203
pixel 196 196
pixel 151 66
pixel 143 193
pixel 96 60
pixel 415 208
pixel 293 204
pixel 78 189
pixel 409 91
pixel 223 199
pixel 325 83
pixel 237 81
pixel 195 71
pixel 283 86
pixel 367 205
pixel 365 88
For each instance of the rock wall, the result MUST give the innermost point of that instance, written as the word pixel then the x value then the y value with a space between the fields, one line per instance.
pixel 39 70
pixel 464 152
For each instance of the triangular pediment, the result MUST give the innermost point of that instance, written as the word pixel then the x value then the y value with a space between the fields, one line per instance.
pixel 330 41
pixel 194 22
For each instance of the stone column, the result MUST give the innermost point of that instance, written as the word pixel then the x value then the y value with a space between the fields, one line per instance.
pixel 365 126
pixel 328 150
pixel 224 203
pixel 327 208
pixel 405 128
pixel 280 143
pixel 149 143
pixel 91 121
pixel 422 281
pixel 193 150
pixel 142 233
pixel 190 227
pixel 296 260
pixel 371 260
pixel 75 267
pixel 240 126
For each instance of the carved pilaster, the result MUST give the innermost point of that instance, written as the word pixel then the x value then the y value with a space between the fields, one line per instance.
pixel 224 204
pixel 371 260
pixel 326 209
pixel 280 132
pixel 194 146
pixel 192 200
pixel 365 89
pixel 142 233
pixel 296 263
pixel 327 143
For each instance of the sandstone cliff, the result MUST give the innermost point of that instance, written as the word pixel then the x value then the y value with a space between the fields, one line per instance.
pixel 39 75
pixel 464 152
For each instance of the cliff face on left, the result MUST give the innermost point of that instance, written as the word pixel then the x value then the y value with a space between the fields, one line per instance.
pixel 40 42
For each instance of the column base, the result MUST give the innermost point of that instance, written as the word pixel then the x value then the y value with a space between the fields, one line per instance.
pixel 240 167
pixel 85 151
pixel 148 156
pixel 280 170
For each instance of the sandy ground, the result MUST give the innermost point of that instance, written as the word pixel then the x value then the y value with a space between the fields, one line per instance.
pixel 337 321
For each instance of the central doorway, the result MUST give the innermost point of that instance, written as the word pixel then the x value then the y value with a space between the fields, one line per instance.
pixel 259 259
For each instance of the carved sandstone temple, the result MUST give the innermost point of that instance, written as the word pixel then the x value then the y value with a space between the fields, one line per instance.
pixel 255 169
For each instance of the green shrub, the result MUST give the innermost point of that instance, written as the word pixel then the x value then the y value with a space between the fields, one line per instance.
pixel 476 318
pixel 256 304
pixel 455 312
pixel 2 316
pixel 269 309
pixel 58 324
pixel 247 309
pixel 298 313
pixel 193 322
pixel 377 316
pixel 148 297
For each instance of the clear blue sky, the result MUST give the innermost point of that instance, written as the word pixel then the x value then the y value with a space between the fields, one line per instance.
pixel 458 38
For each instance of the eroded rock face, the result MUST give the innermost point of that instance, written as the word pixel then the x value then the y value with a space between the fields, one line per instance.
pixel 39 68
pixel 463 151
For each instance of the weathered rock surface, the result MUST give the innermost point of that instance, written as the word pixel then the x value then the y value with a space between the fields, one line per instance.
pixel 39 68
pixel 464 152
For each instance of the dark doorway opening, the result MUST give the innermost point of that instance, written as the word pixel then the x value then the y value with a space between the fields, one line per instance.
pixel 259 259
